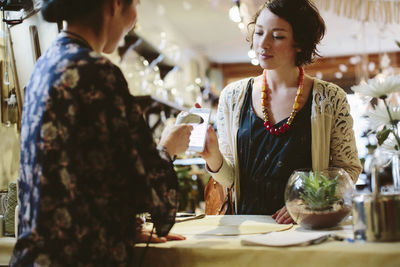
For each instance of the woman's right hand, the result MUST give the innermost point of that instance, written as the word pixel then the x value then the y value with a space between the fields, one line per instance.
pixel 176 139
pixel 211 153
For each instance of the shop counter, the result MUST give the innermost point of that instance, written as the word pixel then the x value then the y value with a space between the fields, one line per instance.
pixel 210 247
pixel 6 249
pixel 221 241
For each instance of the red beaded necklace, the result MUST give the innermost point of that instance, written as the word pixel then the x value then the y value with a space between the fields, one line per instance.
pixel 264 99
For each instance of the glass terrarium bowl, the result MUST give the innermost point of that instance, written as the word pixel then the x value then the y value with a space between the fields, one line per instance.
pixel 317 200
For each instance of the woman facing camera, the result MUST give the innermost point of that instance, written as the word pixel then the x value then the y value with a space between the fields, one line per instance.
pixel 88 161
pixel 283 120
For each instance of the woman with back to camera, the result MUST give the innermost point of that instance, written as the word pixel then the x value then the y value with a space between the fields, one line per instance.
pixel 283 120
pixel 88 161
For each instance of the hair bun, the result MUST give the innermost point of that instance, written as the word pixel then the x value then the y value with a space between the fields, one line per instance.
pixel 51 10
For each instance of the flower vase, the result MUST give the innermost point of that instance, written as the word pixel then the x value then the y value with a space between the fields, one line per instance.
pixel 396 173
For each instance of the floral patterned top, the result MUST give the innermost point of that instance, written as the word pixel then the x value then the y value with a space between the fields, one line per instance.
pixel 88 164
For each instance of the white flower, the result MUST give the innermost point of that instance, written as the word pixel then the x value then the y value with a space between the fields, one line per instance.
pixel 378 86
pixel 390 145
pixel 379 116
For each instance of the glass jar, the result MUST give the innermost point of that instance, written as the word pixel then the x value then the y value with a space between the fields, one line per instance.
pixel 320 199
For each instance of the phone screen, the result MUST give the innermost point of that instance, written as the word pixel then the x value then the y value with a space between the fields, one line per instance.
pixel 199 132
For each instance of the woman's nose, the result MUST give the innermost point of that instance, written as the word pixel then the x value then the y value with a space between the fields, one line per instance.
pixel 266 42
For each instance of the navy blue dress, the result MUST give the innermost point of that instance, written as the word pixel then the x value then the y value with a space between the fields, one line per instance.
pixel 266 161
pixel 88 164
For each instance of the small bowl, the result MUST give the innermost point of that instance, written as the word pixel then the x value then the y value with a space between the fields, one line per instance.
pixel 313 211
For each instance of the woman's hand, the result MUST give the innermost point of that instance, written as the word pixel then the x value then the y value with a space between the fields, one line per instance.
pixel 282 216
pixel 176 139
pixel 144 235
pixel 211 153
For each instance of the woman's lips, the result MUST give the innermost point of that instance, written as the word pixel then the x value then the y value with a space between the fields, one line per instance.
pixel 265 57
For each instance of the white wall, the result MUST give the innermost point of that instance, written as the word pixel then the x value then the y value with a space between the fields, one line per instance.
pixel 23 47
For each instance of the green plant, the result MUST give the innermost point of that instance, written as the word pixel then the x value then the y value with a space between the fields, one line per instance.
pixel 319 192
pixel 186 185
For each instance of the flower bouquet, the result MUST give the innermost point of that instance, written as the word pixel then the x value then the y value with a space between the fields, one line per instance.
pixel 384 117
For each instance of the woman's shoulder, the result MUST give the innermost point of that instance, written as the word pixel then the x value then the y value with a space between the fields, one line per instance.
pixel 327 90
pixel 73 54
pixel 235 89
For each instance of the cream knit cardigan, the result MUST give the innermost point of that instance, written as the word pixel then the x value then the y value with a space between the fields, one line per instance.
pixel 332 145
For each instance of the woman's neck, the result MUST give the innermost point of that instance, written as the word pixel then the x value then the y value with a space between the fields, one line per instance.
pixel 283 78
pixel 94 40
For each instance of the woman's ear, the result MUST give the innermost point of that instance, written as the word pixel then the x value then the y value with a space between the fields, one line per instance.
pixel 113 6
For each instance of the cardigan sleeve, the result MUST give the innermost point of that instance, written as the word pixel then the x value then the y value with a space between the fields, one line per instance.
pixel 225 175
pixel 343 149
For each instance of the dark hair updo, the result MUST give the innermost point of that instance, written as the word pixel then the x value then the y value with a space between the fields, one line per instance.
pixel 307 24
pixel 59 10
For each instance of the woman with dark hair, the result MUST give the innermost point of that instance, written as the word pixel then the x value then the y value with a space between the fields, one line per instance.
pixel 283 120
pixel 88 161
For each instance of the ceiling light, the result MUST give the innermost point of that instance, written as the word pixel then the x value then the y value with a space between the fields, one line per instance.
pixel 187 5
pixel 160 9
pixel 255 61
pixel 198 80
pixel 251 54
pixel 234 14
pixel 342 67
pixel 354 60
pixel 338 75
pixel 241 25
pixel 371 66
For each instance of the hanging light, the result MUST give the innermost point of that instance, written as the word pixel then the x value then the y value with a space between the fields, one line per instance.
pixel 255 62
pixel 234 12
pixel 251 54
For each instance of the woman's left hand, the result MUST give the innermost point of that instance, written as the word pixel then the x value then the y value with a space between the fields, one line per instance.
pixel 282 216
pixel 144 235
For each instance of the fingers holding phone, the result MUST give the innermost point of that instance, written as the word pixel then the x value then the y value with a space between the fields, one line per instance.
pixel 198 118
pixel 176 139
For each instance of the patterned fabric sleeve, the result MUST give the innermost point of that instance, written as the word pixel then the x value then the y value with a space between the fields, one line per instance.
pixel 225 175
pixel 343 146
pixel 113 150
pixel 159 195
pixel 162 199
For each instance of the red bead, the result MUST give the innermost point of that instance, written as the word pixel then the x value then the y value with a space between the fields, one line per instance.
pixel 282 129
pixel 286 126
pixel 271 131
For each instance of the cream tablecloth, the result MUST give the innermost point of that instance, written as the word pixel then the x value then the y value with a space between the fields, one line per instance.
pixel 211 246
pixel 202 249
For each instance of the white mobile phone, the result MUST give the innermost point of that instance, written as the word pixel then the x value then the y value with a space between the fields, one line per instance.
pixel 198 117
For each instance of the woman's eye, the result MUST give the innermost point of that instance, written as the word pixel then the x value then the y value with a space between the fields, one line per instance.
pixel 258 33
pixel 279 37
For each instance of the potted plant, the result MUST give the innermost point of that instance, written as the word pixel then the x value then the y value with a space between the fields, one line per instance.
pixel 320 199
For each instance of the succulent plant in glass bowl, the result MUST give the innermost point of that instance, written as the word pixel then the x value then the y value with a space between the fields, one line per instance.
pixel 320 199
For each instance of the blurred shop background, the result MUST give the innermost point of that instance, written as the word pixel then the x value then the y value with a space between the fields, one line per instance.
pixel 187 51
